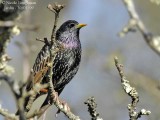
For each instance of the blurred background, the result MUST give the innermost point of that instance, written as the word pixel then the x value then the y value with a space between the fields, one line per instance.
pixel 97 75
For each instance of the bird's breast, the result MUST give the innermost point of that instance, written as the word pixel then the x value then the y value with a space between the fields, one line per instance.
pixel 65 62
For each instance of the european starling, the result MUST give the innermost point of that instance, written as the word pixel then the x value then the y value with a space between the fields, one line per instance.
pixel 66 61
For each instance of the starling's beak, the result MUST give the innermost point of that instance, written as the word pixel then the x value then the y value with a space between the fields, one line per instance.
pixel 80 25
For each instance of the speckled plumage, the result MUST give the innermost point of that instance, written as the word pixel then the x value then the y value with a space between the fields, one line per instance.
pixel 66 62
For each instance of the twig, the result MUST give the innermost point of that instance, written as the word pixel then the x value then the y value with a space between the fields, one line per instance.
pixel 33 92
pixel 7 114
pixel 38 113
pixel 6 32
pixel 12 84
pixel 56 8
pixel 91 103
pixel 44 41
pixel 135 21
pixel 41 40
pixel 131 91
pixel 20 94
pixel 15 90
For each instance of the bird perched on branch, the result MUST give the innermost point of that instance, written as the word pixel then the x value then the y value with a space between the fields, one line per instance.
pixel 66 62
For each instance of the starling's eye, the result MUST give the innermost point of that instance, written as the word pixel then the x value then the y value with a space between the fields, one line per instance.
pixel 71 25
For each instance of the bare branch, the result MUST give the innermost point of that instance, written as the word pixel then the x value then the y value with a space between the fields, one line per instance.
pixel 8 115
pixel 91 103
pixel 16 92
pixel 38 113
pixel 6 32
pixel 41 40
pixel 12 84
pixel 131 91
pixel 63 107
pixel 135 21
pixel 56 8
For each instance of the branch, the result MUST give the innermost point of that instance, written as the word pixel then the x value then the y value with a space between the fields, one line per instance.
pixel 16 92
pixel 7 31
pixel 20 95
pixel 6 114
pixel 12 84
pixel 135 21
pixel 38 113
pixel 91 103
pixel 63 107
pixel 131 91
pixel 33 92
pixel 56 8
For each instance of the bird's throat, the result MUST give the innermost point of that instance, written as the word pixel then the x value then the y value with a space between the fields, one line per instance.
pixel 70 41
pixel 71 44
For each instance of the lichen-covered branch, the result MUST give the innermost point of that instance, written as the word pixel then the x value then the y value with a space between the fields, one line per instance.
pixel 8 115
pixel 16 92
pixel 91 103
pixel 63 107
pixel 131 91
pixel 135 21
pixel 20 95
pixel 7 31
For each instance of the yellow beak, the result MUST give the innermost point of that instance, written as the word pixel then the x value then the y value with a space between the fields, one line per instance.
pixel 81 25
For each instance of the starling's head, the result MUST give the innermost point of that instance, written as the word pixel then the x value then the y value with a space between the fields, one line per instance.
pixel 70 26
pixel 69 30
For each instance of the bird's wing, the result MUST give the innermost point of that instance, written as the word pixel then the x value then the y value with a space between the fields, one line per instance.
pixel 40 67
